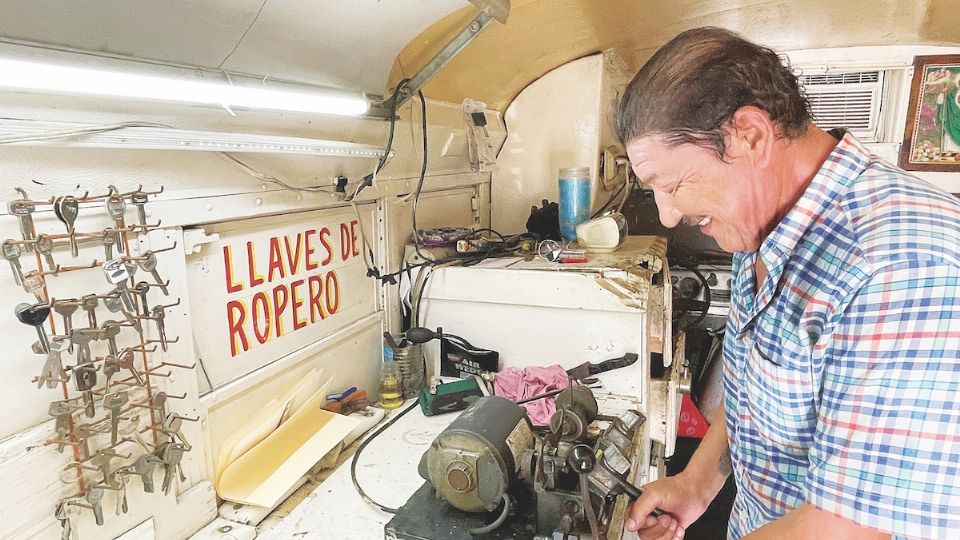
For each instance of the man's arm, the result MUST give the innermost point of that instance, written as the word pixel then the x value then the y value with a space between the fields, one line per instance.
pixel 810 522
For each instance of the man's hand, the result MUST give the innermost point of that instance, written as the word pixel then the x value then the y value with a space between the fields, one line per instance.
pixel 678 497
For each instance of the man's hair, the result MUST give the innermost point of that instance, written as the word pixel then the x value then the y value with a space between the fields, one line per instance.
pixel 692 86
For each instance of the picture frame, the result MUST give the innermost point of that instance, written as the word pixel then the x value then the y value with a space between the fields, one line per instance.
pixel 931 138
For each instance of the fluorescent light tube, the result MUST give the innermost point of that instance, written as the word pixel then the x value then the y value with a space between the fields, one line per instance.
pixel 61 134
pixel 40 77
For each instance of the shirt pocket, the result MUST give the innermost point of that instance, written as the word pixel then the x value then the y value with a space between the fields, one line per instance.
pixel 781 399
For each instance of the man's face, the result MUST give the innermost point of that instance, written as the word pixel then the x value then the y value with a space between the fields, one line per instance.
pixel 691 184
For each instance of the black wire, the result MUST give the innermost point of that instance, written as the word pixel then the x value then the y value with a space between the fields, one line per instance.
pixel 368 179
pixel 356 457
pixel 423 172
pixel 609 201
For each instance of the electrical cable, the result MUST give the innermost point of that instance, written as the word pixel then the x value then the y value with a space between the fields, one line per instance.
pixel 423 172
pixel 497 522
pixel 272 179
pixel 356 457
pixel 67 133
pixel 368 179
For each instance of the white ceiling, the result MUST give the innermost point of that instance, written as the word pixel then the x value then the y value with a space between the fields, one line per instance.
pixel 348 44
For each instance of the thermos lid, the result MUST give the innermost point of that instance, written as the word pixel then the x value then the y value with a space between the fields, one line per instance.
pixel 575 172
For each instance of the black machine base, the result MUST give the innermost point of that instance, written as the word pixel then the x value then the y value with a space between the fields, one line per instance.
pixel 425 517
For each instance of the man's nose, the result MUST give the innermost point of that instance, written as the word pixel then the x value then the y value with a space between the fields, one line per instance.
pixel 669 216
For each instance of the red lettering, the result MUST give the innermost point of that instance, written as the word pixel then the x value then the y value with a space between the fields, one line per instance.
pixel 324 233
pixel 236 314
pixel 298 323
pixel 255 277
pixel 315 288
pixel 332 284
pixel 276 260
pixel 344 241
pixel 353 237
pixel 264 310
pixel 293 256
pixel 279 306
pixel 308 249
pixel 228 271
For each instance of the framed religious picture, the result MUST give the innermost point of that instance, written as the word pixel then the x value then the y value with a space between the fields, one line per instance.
pixel 931 139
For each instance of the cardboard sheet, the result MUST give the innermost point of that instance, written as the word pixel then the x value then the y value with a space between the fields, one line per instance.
pixel 264 473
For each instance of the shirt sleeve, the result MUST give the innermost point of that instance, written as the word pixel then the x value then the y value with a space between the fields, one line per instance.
pixel 886 450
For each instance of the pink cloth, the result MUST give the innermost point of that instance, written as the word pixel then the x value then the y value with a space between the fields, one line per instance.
pixel 517 384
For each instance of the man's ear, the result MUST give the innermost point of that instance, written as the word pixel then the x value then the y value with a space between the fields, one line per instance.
pixel 750 135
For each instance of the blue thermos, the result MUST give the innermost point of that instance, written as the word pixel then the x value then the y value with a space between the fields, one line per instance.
pixel 574 200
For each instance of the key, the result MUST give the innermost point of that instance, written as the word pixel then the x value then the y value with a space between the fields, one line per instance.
pixel 111 366
pixel 66 309
pixel 113 402
pixel 85 378
pixel 94 497
pixel 158 316
pixel 172 427
pixel 141 289
pixel 11 252
pixel 35 316
pixel 131 431
pixel 109 331
pixel 115 305
pixel 108 240
pixel 63 515
pixel 117 207
pixel 139 198
pixel 84 433
pixel 61 411
pixel 172 454
pixel 67 208
pixel 82 337
pixel 159 403
pixel 22 208
pixel 122 507
pixel 53 371
pixel 118 275
pixel 149 263
pixel 101 460
pixel 126 362
pixel 35 285
pixel 89 304
pixel 144 466
pixel 45 247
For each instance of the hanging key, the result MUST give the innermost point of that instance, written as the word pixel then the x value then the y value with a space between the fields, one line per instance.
pixel 117 207
pixel 94 498
pixel 45 247
pixel 139 198
pixel 85 378
pixel 61 412
pixel 123 477
pixel 131 431
pixel 66 309
pixel 117 274
pixel 63 515
pixel 172 454
pixel 144 466
pixel 84 433
pixel 53 372
pixel 111 366
pixel 159 314
pixel 11 252
pixel 101 460
pixel 115 305
pixel 81 337
pixel 22 208
pixel 172 427
pixel 126 362
pixel 109 331
pixel 67 208
pixel 35 285
pixel 159 403
pixel 109 240
pixel 89 304
pixel 141 289
pixel 114 402
pixel 35 315
pixel 149 263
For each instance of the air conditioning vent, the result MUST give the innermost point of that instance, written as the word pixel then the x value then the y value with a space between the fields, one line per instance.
pixel 847 100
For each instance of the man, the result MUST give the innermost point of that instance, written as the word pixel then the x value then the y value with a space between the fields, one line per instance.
pixel 842 349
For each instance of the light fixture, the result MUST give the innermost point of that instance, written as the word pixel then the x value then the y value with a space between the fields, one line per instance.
pixel 154 137
pixel 42 77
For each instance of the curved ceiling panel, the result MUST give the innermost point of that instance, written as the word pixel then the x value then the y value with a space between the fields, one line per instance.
pixel 348 44
pixel 543 34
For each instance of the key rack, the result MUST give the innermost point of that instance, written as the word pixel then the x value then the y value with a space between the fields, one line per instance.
pixel 109 401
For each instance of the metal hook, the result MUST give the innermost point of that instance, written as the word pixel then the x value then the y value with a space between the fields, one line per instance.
pixel 23 194
pixel 181 366
pixel 164 341
pixel 171 248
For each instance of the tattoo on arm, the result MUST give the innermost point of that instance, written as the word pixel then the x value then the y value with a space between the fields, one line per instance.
pixel 724 465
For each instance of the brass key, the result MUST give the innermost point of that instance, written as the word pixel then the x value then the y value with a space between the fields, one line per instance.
pixel 61 411
pixel 117 207
pixel 149 263
pixel 139 198
pixel 22 208
pixel 45 247
pixel 11 252
pixel 113 402
pixel 85 378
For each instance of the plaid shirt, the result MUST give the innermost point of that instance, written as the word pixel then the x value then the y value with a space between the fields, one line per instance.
pixel 842 376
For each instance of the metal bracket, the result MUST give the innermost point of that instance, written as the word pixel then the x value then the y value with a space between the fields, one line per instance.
pixel 193 240
pixel 490 10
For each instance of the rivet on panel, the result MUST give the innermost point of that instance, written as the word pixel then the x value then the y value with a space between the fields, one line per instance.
pixel 209 207
pixel 259 201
